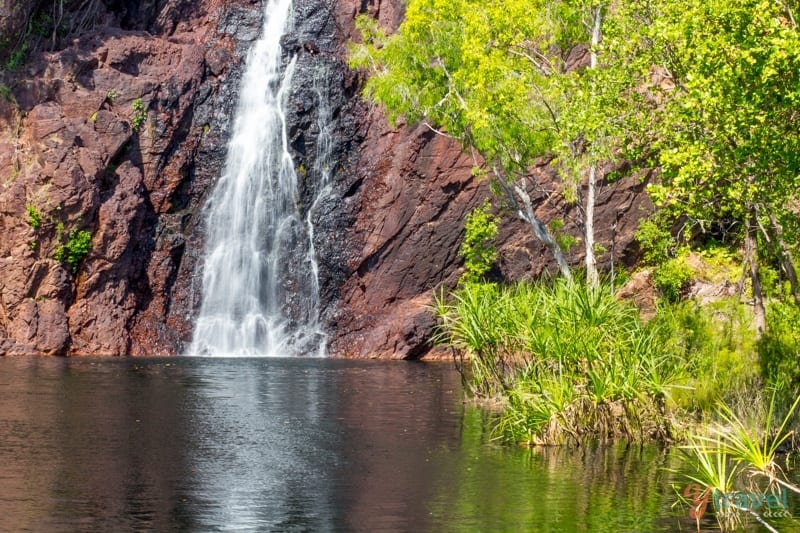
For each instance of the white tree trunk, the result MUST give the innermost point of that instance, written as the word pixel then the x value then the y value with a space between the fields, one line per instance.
pixel 520 200
pixel 592 278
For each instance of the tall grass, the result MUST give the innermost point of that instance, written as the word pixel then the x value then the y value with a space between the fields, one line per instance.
pixel 739 452
pixel 570 362
pixel 718 345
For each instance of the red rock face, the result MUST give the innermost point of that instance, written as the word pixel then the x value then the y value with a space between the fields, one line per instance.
pixel 99 137
pixel 417 189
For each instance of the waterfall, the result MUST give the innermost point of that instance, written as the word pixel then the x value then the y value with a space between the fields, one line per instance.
pixel 260 276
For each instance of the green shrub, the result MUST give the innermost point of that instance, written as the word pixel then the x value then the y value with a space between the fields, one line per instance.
pixel 478 252
pixel 565 241
pixel 771 282
pixel 6 94
pixel 34 217
pixel 78 246
pixel 779 347
pixel 17 58
pixel 139 114
pixel 569 363
pixel 717 342
pixel 655 241
pixel 672 277
pixel 41 25
pixel 719 264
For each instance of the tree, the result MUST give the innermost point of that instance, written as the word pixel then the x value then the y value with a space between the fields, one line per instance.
pixel 492 74
pixel 728 138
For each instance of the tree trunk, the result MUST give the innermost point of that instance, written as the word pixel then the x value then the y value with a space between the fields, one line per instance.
pixel 525 211
pixel 592 278
pixel 751 256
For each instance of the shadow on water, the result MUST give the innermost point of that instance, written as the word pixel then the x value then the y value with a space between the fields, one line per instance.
pixel 196 444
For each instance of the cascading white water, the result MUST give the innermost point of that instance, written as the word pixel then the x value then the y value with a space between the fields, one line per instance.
pixel 322 168
pixel 260 285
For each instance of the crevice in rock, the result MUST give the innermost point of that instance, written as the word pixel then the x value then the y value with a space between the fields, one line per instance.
pixel 354 188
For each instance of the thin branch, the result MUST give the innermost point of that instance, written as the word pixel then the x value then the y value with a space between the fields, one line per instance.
pixel 58 17
pixel 526 213
pixel 755 515
pixel 544 69
pixel 550 110
pixel 437 132
pixel 437 62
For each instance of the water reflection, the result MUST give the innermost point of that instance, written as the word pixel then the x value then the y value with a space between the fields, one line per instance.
pixel 269 439
pixel 602 489
pixel 395 424
pixel 218 445
pixel 292 445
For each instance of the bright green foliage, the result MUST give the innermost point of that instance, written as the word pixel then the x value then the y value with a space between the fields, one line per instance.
pixel 718 345
pixel 672 277
pixel 728 137
pixel 492 74
pixel 655 241
pixel 757 447
pixel 78 246
pixel 34 217
pixel 725 93
pixel 719 264
pixel 477 250
pixel 572 363
pixel 708 91
pixel 139 114
pixel 671 271
pixel 564 239
pixel 450 65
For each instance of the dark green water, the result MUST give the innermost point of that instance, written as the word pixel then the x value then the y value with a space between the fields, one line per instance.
pixel 195 444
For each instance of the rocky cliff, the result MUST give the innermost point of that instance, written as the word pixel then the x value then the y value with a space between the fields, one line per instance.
pixel 117 132
pixel 115 127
